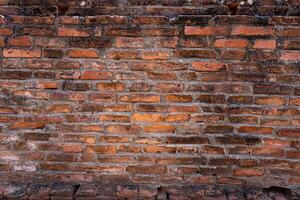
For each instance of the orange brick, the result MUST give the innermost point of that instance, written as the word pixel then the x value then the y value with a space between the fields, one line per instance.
pixel 72 148
pixel 112 87
pixel 27 125
pixel 5 31
pixel 177 118
pixel 264 44
pixel 159 128
pixel 203 31
pixel 179 98
pixel 139 117
pixel 22 53
pixel 270 101
pixel 103 149
pixel 140 98
pixel 251 30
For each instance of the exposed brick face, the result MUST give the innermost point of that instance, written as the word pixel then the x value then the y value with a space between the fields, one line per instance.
pixel 152 99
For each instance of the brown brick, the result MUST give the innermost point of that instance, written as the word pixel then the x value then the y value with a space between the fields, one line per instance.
pixel 82 53
pixel 156 169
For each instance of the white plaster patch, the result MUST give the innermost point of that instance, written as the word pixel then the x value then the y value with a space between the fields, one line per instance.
pixel 82 3
pixel 25 167
pixel 31 145
pixel 8 156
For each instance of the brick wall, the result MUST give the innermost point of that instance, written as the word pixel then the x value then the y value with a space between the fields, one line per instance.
pixel 169 99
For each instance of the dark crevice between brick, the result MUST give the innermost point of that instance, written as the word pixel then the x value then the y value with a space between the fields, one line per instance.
pixel 274 191
pixel 76 188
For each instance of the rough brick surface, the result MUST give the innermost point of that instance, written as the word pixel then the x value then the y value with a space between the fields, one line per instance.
pixel 149 99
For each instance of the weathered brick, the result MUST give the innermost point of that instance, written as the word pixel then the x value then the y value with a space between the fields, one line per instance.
pixel 208 66
pixel 290 56
pixel 95 75
pixel 129 42
pixel 74 32
pixel 231 43
pixel 149 99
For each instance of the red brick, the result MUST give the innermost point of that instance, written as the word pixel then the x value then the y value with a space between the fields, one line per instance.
pixel 155 55
pixel 203 31
pixel 290 133
pixel 95 75
pixel 22 41
pixel 74 32
pixel 256 130
pixel 248 172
